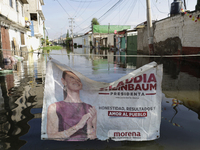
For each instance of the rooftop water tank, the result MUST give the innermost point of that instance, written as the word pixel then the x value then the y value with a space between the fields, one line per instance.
pixel 176 7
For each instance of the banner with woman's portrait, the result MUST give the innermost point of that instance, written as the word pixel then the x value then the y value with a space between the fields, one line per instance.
pixel 76 108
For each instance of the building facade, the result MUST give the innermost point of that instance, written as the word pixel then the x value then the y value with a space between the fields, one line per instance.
pixel 173 35
pixel 16 35
pixel 34 16
pixel 13 29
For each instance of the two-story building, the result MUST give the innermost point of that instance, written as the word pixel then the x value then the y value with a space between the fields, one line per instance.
pixel 34 16
pixel 21 23
pixel 13 29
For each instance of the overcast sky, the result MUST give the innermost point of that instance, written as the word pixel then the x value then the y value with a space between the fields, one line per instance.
pixel 115 12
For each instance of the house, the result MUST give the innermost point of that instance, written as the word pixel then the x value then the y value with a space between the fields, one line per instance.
pixel 174 35
pixel 16 19
pixel 13 29
pixel 104 36
pixel 34 15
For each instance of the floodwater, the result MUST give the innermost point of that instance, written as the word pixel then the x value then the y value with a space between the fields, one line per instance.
pixel 22 96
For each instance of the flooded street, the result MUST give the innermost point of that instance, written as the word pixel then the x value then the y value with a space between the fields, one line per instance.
pixel 21 100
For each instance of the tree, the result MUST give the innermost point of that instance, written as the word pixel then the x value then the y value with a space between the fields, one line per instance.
pixel 68 39
pixel 67 35
pixel 94 22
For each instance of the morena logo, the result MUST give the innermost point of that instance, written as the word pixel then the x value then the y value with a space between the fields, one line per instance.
pixel 127 134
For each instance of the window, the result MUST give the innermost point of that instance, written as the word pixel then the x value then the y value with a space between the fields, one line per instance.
pixel 33 16
pixel 11 3
pixel 16 5
pixel 22 39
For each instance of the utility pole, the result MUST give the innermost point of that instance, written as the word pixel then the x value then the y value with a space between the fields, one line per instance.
pixel 150 28
pixel 185 5
pixel 71 21
pixel 44 29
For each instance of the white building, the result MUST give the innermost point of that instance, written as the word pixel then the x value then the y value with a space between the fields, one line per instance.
pixel 34 15
pixel 13 30
pixel 15 18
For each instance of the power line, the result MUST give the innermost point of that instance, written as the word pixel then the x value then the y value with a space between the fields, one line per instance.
pixel 158 9
pixel 79 7
pixel 63 8
pixel 66 12
pixel 84 9
pixel 94 14
pixel 110 8
pixel 124 2
pixel 133 6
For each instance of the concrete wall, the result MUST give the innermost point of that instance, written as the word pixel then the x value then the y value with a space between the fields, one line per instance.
pixel 78 40
pixel 86 39
pixel 110 40
pixel 34 43
pixel 11 12
pixel 142 41
pixel 173 35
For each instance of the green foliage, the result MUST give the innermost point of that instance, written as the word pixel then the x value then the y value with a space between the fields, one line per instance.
pixel 49 48
pixel 67 35
pixel 94 22
pixel 43 41
pixel 68 39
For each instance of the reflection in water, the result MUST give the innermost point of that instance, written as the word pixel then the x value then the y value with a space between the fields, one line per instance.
pixel 22 94
pixel 19 96
pixel 181 80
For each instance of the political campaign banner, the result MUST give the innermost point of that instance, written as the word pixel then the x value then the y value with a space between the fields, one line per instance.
pixel 76 108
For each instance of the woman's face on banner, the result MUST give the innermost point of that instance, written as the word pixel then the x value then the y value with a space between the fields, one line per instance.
pixel 72 82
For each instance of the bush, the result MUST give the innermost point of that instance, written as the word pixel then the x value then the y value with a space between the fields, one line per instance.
pixel 48 48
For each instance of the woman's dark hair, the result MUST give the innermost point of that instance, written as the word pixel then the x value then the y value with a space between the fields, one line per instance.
pixel 65 72
pixel 63 76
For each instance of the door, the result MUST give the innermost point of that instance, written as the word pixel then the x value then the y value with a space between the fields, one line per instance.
pixel 5 42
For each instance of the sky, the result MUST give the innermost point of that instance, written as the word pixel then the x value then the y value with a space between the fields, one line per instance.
pixel 113 12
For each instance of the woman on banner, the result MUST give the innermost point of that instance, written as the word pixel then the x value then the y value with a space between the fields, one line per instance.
pixel 71 119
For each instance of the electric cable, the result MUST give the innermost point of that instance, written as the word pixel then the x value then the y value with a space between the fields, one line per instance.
pixel 122 7
pixel 85 9
pixel 134 4
pixel 114 6
pixel 96 12
pixel 158 9
pixel 81 4
pixel 67 13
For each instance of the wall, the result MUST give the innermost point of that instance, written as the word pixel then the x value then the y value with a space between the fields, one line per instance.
pixel 110 41
pixel 34 43
pixel 142 39
pixel 11 13
pixel 86 39
pixel 78 40
pixel 179 31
